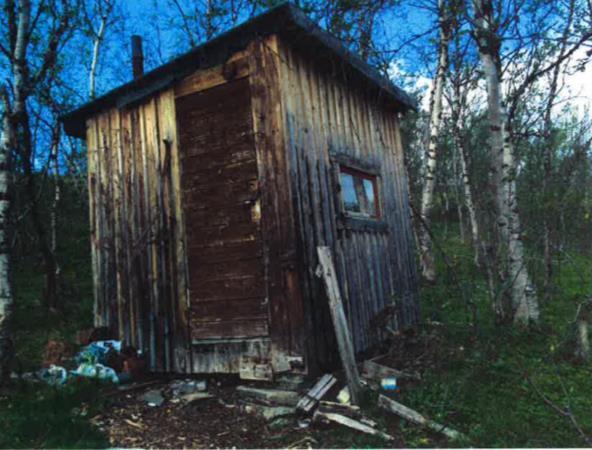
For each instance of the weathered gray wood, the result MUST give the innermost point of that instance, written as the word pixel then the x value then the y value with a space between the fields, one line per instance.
pixel 350 423
pixel 415 417
pixel 344 339
pixel 269 412
pixel 312 397
pixel 281 397
pixel 375 372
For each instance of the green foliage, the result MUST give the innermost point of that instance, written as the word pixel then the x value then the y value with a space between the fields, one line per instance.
pixel 37 415
pixel 482 384
pixel 34 324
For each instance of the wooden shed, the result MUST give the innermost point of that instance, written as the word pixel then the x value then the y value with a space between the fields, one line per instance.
pixel 212 180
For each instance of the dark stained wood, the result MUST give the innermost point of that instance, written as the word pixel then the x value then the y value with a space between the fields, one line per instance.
pixel 137 236
pixel 282 267
pixel 330 120
pixel 234 329
pixel 218 149
pixel 208 201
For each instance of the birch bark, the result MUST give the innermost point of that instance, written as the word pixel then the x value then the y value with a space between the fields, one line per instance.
pixel 427 197
pixel 7 140
pixel 6 299
pixel 517 281
pixel 459 117
pixel 95 58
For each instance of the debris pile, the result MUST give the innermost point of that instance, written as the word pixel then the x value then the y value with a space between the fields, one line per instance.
pixel 103 359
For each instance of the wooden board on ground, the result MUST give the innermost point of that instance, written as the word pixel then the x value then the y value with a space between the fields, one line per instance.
pixel 376 372
pixel 312 397
pixel 415 417
pixel 351 423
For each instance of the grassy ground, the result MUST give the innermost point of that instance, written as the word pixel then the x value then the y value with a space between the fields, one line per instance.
pixel 487 380
pixel 481 383
pixel 36 415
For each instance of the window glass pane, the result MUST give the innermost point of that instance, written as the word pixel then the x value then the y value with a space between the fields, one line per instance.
pixel 370 197
pixel 358 192
pixel 348 193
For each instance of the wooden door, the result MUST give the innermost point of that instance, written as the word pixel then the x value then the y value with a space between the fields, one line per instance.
pixel 221 194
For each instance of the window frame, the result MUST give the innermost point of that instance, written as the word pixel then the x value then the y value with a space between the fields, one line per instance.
pixel 364 175
pixel 345 221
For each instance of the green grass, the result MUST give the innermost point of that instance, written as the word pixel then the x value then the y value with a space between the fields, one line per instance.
pixel 483 382
pixel 35 414
pixel 477 384
pixel 41 416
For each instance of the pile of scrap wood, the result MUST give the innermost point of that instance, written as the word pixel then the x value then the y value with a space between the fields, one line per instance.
pixel 373 374
pixel 344 414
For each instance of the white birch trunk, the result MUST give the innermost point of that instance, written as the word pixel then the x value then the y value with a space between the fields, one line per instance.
pixel 55 145
pixel 7 140
pixel 95 58
pixel 427 197
pixel 6 299
pixel 520 289
pixel 466 181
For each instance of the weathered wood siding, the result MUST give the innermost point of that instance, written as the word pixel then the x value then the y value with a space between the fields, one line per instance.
pixel 137 229
pixel 329 118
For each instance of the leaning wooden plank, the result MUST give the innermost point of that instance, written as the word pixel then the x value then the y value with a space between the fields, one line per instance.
pixel 312 397
pixel 415 417
pixel 344 339
pixel 351 423
pixel 375 372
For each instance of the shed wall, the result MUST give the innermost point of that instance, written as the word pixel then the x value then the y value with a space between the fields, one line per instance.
pixel 326 119
pixel 137 229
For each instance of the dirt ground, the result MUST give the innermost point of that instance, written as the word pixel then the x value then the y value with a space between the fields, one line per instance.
pixel 217 422
pixel 221 422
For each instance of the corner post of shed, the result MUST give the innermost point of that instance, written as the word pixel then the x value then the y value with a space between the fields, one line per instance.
pixel 277 214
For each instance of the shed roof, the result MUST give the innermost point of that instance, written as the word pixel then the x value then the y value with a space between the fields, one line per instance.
pixel 286 20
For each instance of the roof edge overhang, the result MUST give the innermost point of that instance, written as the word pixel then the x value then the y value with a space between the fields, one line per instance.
pixel 286 20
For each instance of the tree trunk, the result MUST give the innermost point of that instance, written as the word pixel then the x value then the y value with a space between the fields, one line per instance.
pixel 427 198
pixel 548 153
pixel 20 122
pixel 6 299
pixel 582 348
pixel 517 281
pixel 95 57
pixel 463 156
pixel 55 145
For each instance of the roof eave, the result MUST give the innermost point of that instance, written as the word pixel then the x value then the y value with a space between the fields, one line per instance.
pixel 284 19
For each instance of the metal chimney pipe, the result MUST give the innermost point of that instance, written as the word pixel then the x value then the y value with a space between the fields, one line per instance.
pixel 137 56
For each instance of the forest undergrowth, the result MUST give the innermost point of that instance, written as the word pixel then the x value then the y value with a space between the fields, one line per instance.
pixel 500 385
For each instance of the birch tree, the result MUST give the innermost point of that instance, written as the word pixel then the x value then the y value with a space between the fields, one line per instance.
pixel 6 299
pixel 30 74
pixel 19 30
pixel 102 14
pixel 548 148
pixel 427 197
pixel 503 169
pixel 463 82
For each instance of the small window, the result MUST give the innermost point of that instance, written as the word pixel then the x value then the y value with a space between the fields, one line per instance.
pixel 359 193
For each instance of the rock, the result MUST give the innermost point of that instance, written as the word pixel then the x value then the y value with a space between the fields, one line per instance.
pixel 153 397
pixel 281 397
